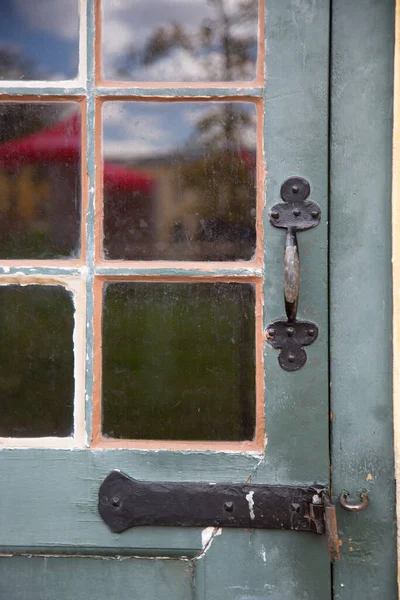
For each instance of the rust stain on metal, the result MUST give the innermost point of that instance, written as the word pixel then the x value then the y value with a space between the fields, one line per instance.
pixel 332 533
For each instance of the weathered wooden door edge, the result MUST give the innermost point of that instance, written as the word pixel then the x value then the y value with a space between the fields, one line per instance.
pixel 396 267
pixel 361 293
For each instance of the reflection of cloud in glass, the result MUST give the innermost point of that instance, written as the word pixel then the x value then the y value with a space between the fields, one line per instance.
pixel 141 129
pixel 180 40
pixel 134 130
pixel 39 39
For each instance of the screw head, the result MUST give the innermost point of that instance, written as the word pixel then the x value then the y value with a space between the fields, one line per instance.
pixel 275 214
pixel 291 358
pixel 311 332
pixel 290 331
pixel 296 212
pixel 271 332
pixel 315 214
pixel 115 501
pixel 295 189
pixel 229 506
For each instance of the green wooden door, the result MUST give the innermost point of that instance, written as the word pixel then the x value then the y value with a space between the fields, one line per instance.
pixel 136 289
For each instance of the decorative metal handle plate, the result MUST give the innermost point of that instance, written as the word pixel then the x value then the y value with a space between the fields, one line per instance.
pixel 294 214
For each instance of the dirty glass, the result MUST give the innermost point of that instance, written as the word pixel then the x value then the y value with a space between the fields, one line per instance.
pixel 179 361
pixel 39 39
pixel 179 40
pixel 36 361
pixel 40 152
pixel 179 180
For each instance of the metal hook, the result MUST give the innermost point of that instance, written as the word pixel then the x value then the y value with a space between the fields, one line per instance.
pixel 354 507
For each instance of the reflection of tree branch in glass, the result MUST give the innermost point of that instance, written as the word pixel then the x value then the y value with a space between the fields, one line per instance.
pixel 14 65
pixel 231 167
pixel 216 41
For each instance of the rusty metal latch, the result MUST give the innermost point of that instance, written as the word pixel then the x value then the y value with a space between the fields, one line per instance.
pixel 294 214
pixel 125 502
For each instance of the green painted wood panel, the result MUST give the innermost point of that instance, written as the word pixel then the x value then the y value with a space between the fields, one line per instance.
pixel 52 496
pixel 360 284
pixel 84 578
pixel 264 565
pixel 296 143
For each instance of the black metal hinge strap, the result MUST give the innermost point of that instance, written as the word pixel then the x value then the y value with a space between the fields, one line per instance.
pixel 294 214
pixel 125 502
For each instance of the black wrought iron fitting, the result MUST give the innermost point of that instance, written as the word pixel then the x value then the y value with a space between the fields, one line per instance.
pixel 125 502
pixel 294 214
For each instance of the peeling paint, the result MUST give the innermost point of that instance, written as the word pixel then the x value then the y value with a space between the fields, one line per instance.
pixel 250 500
pixel 113 557
pixel 207 536
pixel 263 554
pixel 316 499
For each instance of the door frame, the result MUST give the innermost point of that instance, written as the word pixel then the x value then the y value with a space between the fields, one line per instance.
pixel 396 268
pixel 362 56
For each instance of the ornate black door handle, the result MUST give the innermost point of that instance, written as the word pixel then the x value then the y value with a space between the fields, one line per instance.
pixel 294 214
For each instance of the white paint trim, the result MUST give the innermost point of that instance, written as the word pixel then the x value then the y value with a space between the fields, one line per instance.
pixel 59 85
pixel 82 69
pixel 30 443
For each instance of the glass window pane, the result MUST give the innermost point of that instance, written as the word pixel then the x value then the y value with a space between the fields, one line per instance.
pixel 179 40
pixel 40 182
pixel 179 361
pixel 179 180
pixel 36 361
pixel 39 39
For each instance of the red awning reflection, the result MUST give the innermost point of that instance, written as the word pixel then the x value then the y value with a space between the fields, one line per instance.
pixel 62 143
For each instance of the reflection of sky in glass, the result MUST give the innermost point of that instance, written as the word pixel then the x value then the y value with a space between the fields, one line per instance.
pixel 39 39
pixel 179 40
pixel 144 129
